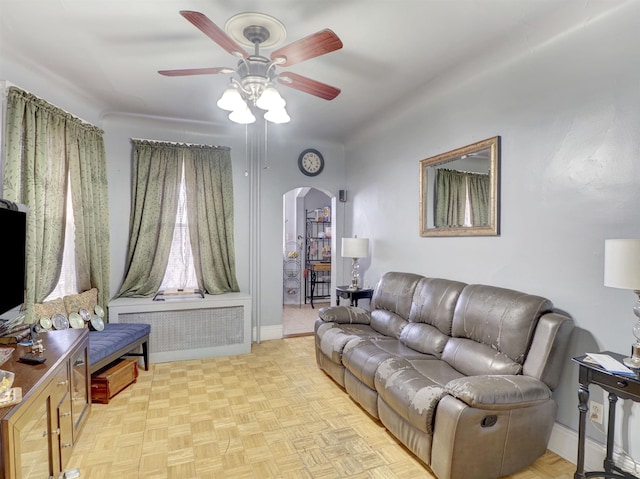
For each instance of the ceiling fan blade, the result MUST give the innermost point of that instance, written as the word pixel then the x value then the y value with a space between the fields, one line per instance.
pixel 195 71
pixel 214 32
pixel 307 85
pixel 320 43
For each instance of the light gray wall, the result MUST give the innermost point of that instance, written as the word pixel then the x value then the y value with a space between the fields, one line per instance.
pixel 568 114
pixel 282 175
pixel 569 117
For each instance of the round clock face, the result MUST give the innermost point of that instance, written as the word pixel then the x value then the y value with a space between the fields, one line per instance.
pixel 311 162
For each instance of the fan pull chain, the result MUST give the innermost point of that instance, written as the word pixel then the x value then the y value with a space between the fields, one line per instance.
pixel 246 149
pixel 266 156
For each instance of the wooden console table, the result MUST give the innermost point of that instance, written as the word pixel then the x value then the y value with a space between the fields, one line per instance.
pixel 353 295
pixel 618 386
pixel 37 435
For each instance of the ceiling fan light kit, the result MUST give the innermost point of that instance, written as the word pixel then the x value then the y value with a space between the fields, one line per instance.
pixel 277 115
pixel 231 100
pixel 243 116
pixel 255 85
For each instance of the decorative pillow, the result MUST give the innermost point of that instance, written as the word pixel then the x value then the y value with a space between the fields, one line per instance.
pixel 49 308
pixel 87 300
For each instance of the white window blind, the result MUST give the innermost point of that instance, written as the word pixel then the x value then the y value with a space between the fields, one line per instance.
pixel 68 281
pixel 180 272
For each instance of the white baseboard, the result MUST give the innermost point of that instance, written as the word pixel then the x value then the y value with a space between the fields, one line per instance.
pixel 268 332
pixel 564 442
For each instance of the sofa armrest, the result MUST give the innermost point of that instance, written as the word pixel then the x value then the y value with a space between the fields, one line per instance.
pixel 345 315
pixel 499 391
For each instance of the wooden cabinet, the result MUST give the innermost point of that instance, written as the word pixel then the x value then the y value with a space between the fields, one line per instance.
pixel 37 435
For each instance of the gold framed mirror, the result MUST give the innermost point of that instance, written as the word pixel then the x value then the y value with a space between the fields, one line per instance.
pixel 459 191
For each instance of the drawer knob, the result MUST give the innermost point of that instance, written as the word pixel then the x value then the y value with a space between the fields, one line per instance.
pixel 622 384
pixel 63 383
pixel 65 414
pixel 55 432
pixel 67 444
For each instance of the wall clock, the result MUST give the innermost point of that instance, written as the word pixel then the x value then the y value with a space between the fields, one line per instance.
pixel 311 162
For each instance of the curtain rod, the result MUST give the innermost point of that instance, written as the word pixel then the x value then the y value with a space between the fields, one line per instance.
pixel 178 143
pixel 8 84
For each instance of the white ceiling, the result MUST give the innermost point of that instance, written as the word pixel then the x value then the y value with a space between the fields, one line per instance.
pixel 110 50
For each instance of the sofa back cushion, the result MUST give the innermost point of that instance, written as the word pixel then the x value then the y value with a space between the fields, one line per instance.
pixel 492 329
pixel 431 315
pixel 391 302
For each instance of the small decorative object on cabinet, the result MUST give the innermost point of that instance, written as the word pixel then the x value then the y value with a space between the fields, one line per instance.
pixel 37 435
pixel 317 277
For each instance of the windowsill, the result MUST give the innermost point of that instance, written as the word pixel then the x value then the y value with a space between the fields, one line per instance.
pixel 209 301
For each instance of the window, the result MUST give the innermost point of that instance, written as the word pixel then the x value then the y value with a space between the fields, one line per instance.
pixel 180 272
pixel 68 281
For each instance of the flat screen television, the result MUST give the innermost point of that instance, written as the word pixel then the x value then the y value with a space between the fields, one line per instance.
pixel 13 232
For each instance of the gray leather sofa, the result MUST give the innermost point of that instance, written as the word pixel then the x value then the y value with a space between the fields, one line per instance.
pixel 461 374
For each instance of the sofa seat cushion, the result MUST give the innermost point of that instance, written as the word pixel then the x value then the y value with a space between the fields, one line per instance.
pixel 331 338
pixel 439 372
pixel 363 356
pixel 114 337
pixel 410 394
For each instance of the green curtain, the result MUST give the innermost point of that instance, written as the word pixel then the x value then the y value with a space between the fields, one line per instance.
pixel 157 170
pixel 479 193
pixel 209 186
pixel 40 143
pixel 90 208
pixel 451 197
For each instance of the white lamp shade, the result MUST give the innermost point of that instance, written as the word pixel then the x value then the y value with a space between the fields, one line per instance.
pixel 622 263
pixel 355 247
pixel 277 115
pixel 231 100
pixel 270 99
pixel 242 116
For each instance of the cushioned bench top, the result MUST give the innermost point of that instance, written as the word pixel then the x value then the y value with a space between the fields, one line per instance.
pixel 114 337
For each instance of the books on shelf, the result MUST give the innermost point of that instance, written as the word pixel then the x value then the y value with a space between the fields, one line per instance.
pixel 13 331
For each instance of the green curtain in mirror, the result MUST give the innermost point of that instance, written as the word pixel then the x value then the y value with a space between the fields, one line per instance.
pixel 451 198
pixel 46 146
pixel 462 199
pixel 479 192
pixel 157 172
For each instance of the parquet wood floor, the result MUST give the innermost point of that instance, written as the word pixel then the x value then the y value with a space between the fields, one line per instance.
pixel 268 414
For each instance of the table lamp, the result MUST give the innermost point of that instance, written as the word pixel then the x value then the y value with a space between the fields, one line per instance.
pixel 622 270
pixel 355 248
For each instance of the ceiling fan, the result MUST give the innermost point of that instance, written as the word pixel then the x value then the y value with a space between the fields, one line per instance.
pixel 257 73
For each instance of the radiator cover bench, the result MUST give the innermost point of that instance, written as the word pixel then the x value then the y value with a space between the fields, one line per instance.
pixel 117 340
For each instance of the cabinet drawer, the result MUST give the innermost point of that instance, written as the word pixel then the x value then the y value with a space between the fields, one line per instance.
pixel 620 386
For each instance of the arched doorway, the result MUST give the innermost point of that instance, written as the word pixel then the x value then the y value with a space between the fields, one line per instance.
pixel 308 272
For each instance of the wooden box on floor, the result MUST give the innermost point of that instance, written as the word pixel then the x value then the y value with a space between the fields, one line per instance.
pixel 110 380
